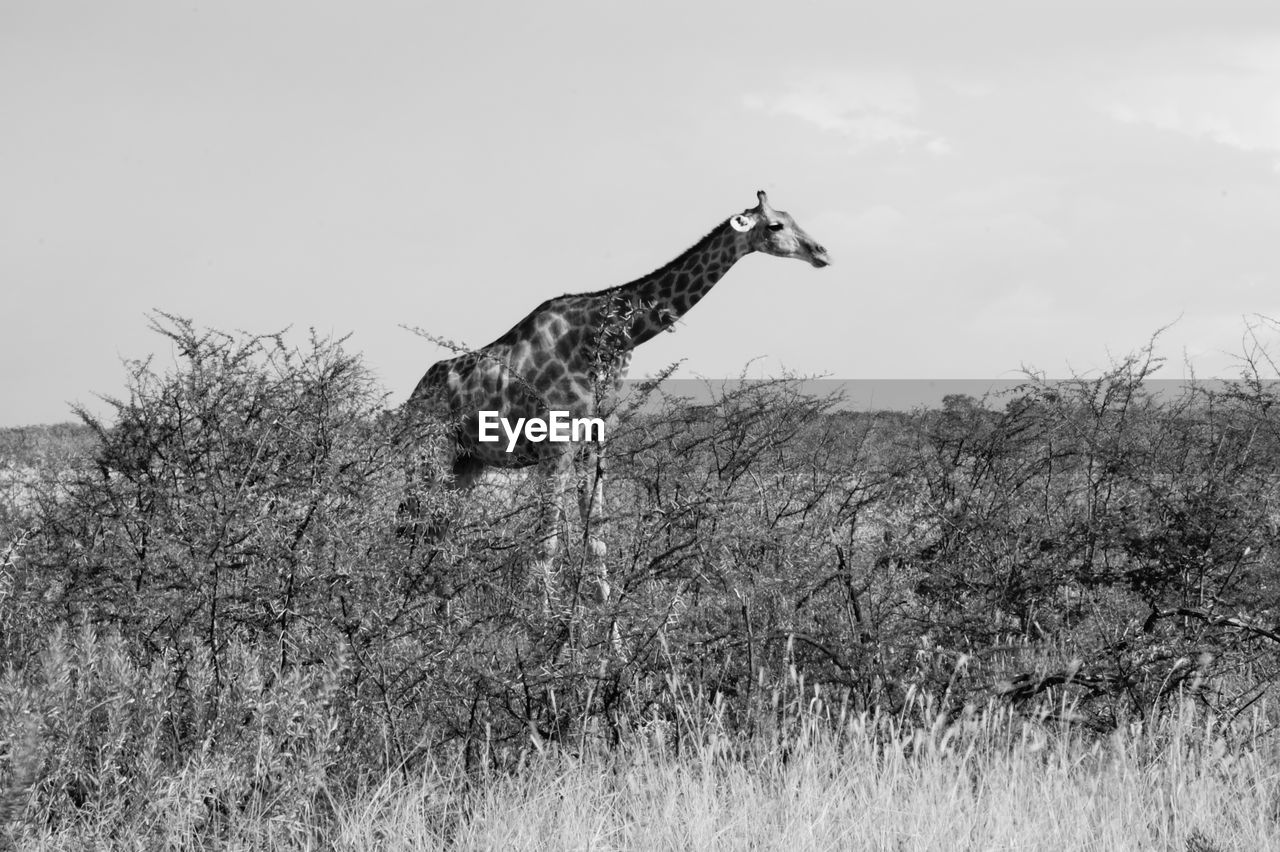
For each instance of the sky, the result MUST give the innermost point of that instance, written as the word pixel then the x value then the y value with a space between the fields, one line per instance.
pixel 1000 184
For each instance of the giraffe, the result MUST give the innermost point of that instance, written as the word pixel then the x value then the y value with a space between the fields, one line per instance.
pixel 570 354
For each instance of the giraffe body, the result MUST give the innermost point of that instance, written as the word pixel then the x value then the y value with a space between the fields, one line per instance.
pixel 571 353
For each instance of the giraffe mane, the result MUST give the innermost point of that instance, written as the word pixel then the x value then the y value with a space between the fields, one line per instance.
pixel 693 249
pixel 697 247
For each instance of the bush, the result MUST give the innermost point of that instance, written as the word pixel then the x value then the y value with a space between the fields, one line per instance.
pixel 250 621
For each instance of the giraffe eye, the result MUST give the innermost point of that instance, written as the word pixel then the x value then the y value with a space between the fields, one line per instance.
pixel 776 226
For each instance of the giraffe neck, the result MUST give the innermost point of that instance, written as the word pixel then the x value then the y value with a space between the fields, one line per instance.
pixel 657 300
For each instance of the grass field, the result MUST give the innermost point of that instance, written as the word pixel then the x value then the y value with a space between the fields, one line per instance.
pixel 990 782
pixel 216 631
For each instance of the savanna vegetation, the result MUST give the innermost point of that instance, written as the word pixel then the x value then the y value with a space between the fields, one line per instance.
pixel 1044 620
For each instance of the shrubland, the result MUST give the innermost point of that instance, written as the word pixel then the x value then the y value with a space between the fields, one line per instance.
pixel 216 630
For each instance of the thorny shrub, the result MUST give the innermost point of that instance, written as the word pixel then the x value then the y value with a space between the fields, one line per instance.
pixel 232 564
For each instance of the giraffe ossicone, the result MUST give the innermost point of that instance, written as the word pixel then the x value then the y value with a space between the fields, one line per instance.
pixel 569 355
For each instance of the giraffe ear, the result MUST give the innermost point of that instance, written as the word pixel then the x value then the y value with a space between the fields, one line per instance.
pixel 742 223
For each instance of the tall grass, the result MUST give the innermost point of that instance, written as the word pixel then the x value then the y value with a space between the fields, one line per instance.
pixel 987 783
pixel 217 632
pixel 987 780
pixel 103 753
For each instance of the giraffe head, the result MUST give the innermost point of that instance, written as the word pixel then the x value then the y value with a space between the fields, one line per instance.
pixel 775 232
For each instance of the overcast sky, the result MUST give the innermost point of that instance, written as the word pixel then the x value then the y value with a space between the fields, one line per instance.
pixel 998 183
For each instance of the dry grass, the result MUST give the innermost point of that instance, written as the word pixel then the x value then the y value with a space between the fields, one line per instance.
pixel 988 782
pixel 213 637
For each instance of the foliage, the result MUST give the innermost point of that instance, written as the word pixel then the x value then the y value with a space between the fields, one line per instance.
pixel 216 589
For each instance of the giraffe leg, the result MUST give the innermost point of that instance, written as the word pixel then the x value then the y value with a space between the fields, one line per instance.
pixel 591 508
pixel 413 521
pixel 433 450
pixel 553 477
pixel 466 473
pixel 427 527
